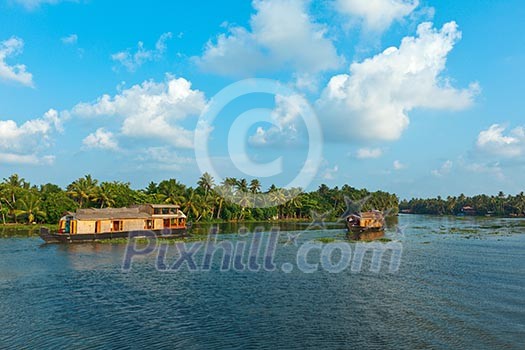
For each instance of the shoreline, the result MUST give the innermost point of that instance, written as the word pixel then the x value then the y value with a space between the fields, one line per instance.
pixel 467 216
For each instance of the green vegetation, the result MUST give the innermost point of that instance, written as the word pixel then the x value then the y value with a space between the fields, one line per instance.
pixel 463 230
pixel 21 202
pixel 481 205
pixel 326 240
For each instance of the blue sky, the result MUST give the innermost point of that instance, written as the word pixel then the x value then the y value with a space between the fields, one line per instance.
pixel 421 98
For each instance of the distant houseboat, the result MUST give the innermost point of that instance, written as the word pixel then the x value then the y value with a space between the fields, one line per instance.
pixel 97 224
pixel 468 210
pixel 366 226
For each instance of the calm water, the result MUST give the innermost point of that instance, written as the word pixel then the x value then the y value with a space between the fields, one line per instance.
pixel 461 284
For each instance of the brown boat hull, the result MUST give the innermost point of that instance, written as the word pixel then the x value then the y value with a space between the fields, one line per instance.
pixel 358 233
pixel 171 233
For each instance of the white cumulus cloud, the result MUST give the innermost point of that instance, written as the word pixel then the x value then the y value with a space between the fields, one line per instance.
pixel 285 118
pixel 330 173
pixel 445 169
pixel 494 142
pixel 101 139
pixel 28 159
pixel 377 15
pixel 16 72
pixel 282 35
pixel 151 110
pixel 162 158
pixel 24 143
pixel 133 60
pixel 372 102
pixel 367 153
pixel 491 168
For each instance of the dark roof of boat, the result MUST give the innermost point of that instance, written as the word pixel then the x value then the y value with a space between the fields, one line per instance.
pixel 110 213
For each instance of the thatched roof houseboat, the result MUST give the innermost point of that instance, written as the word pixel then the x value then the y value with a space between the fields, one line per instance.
pixel 366 225
pixel 107 223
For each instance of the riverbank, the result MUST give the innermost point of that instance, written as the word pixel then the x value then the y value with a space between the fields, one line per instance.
pixel 26 226
pixel 197 229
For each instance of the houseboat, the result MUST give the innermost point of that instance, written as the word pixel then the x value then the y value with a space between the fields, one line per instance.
pixel 87 225
pixel 366 226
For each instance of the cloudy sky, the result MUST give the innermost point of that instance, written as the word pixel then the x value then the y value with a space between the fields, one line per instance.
pixel 417 97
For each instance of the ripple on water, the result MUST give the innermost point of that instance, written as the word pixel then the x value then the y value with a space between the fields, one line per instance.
pixel 451 293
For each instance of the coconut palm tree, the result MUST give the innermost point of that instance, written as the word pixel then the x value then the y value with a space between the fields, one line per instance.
pixel 255 186
pixel 105 194
pixel 30 206
pixel 192 204
pixel 277 197
pixel 13 186
pixel 206 182
pixel 172 190
pixel 230 182
pixel 294 201
pixel 243 198
pixel 221 192
pixel 83 190
pixel 242 185
pixel 152 188
pixel 3 210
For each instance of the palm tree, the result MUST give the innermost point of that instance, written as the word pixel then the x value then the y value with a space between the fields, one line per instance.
pixel 208 207
pixel 156 198
pixel 193 204
pixel 206 182
pixel 3 210
pixel 30 206
pixel 521 203
pixel 83 189
pixel 294 201
pixel 242 185
pixel 255 186
pixel 13 187
pixel 243 198
pixel 172 190
pixel 277 198
pixel 221 192
pixel 152 188
pixel 13 184
pixel 230 182
pixel 105 194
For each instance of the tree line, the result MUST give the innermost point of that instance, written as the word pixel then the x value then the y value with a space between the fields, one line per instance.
pixel 22 202
pixel 481 205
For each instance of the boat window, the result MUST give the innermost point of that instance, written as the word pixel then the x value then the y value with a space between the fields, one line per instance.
pixel 149 225
pixel 157 211
pixel 117 225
